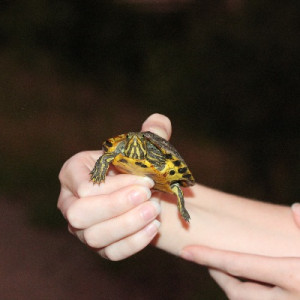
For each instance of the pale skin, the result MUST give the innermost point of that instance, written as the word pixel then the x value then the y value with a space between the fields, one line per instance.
pixel 121 217
pixel 265 277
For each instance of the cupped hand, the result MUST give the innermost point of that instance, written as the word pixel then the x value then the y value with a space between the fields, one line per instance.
pixel 248 276
pixel 118 217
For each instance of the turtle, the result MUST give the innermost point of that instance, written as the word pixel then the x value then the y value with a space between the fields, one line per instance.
pixel 146 154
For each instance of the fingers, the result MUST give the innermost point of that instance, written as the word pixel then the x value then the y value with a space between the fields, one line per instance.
pixel 88 211
pixel 123 235
pixel 119 224
pixel 75 177
pixel 270 270
pixel 159 124
pixel 105 233
pixel 75 180
pixel 111 184
pixel 236 289
pixel 296 213
pixel 74 171
pixel 132 244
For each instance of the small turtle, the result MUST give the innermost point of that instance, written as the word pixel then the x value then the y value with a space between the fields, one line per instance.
pixel 146 154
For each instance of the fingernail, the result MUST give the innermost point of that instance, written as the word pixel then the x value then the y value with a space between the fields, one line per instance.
pixel 156 204
pixel 186 255
pixel 159 131
pixel 152 228
pixel 296 208
pixel 150 210
pixel 145 180
pixel 139 195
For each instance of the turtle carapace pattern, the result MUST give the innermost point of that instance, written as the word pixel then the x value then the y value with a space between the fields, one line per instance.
pixel 146 154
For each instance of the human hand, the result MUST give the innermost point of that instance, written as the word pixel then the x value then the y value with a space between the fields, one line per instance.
pixel 296 213
pixel 116 218
pixel 248 276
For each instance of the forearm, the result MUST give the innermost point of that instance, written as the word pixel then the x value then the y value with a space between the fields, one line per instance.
pixel 228 222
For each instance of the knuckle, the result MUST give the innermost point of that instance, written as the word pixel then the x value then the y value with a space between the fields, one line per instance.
pixel 79 155
pixel 91 238
pixel 83 190
pixel 102 253
pixel 109 255
pixel 74 219
pixel 112 257
pixel 64 169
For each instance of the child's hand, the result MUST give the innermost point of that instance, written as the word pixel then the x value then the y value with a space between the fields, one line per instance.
pixel 249 276
pixel 117 217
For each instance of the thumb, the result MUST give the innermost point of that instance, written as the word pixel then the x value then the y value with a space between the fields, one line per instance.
pixel 158 124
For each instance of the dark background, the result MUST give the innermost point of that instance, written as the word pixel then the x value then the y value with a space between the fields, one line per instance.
pixel 76 72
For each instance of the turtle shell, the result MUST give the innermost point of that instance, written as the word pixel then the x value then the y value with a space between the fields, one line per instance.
pixel 155 157
pixel 146 154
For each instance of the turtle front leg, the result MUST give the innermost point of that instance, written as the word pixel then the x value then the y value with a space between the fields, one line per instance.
pixel 180 201
pixel 101 166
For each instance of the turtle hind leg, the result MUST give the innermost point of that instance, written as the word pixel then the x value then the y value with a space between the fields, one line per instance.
pixel 101 166
pixel 180 201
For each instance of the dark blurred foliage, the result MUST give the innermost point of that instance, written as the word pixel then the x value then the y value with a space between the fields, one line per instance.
pixel 76 72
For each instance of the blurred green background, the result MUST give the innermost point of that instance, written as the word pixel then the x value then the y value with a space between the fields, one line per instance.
pixel 76 72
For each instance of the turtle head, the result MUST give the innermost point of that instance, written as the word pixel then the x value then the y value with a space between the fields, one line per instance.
pixel 135 146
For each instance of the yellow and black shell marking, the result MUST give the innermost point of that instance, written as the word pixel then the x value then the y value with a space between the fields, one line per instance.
pixel 146 154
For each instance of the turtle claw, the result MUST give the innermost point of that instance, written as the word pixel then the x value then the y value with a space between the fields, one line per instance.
pixel 186 216
pixel 98 173
pixel 180 202
pixel 96 176
pixel 96 179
